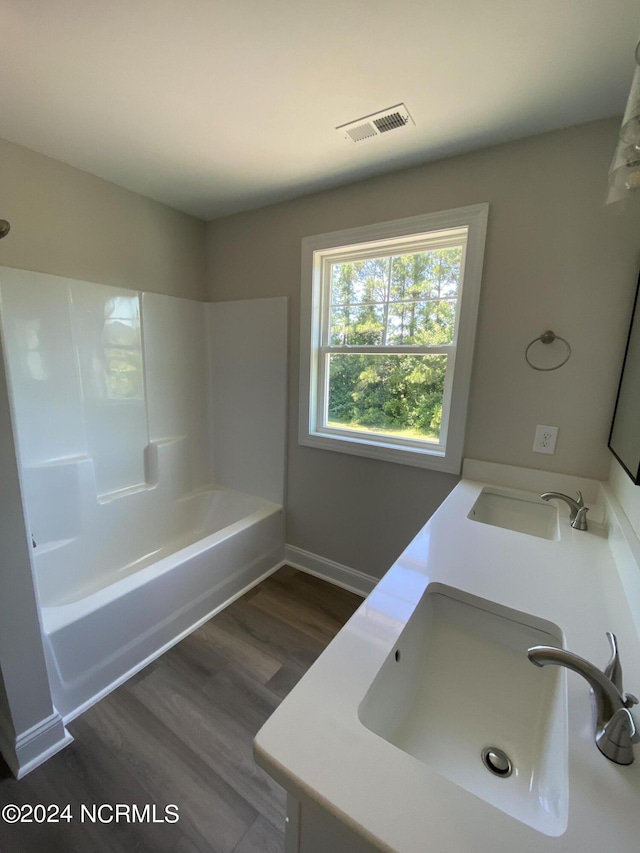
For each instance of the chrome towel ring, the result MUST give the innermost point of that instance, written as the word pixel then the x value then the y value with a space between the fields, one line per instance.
pixel 548 337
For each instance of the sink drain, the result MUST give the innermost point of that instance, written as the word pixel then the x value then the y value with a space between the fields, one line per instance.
pixel 497 761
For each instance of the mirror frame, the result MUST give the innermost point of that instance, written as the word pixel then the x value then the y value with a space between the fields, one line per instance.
pixel 634 332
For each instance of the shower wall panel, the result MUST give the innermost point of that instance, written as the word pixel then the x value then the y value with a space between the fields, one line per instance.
pixel 76 370
pixel 248 348
pixel 40 352
pixel 106 331
pixel 177 376
pixel 111 414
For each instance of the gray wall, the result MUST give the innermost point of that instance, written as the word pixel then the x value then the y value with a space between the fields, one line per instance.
pixel 70 223
pixel 556 258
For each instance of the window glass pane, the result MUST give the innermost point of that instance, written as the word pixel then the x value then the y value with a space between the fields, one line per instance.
pixel 353 325
pixel 359 281
pixel 428 275
pixel 421 323
pixel 398 323
pixel 425 275
pixel 395 394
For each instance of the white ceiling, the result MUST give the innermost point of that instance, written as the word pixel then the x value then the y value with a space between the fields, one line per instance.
pixel 216 106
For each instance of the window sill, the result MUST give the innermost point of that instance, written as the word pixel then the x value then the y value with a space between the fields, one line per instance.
pixel 432 459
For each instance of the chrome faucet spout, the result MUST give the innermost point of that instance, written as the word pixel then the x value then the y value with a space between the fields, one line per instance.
pixel 616 731
pixel 577 510
pixel 607 697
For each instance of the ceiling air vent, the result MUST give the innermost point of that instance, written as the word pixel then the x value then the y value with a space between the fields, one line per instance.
pixel 376 124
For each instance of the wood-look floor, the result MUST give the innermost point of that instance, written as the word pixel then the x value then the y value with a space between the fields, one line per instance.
pixel 181 732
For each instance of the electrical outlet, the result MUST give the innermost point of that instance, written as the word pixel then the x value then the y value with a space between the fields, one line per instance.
pixel 545 440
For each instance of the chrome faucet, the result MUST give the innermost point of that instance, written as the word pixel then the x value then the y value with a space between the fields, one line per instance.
pixel 616 731
pixel 577 510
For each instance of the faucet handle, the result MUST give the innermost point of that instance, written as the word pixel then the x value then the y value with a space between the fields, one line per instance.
pixel 613 669
pixel 579 499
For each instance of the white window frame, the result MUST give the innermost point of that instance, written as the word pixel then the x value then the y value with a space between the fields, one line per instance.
pixel 416 233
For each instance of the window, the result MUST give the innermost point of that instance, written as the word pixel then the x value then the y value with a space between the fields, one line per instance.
pixel 388 326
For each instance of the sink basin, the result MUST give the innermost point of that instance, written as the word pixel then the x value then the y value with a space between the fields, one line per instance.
pixel 513 511
pixel 459 682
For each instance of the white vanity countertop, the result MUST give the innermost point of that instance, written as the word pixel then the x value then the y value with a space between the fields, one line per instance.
pixel 316 747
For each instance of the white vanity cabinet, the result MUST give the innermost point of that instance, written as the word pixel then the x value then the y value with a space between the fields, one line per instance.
pixel 311 829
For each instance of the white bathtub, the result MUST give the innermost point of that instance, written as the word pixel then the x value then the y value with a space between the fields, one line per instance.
pixel 100 631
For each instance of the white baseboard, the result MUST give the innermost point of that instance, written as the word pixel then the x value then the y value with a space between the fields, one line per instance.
pixel 328 570
pixel 28 750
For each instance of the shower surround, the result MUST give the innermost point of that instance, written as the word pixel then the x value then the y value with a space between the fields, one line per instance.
pixel 127 409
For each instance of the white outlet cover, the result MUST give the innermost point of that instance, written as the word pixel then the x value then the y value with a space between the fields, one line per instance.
pixel 545 439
